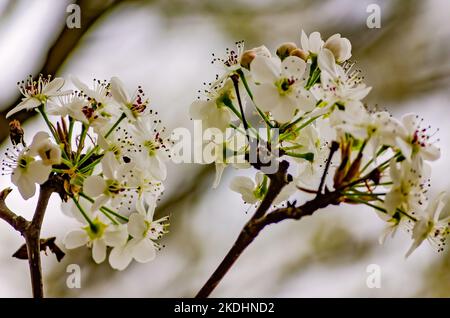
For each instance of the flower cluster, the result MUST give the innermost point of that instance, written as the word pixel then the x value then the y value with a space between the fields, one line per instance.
pixel 108 151
pixel 311 97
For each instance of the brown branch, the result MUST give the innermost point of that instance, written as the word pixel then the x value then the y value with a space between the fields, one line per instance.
pixel 19 223
pixel 31 230
pixel 334 147
pixel 277 181
pixel 253 227
pixel 33 239
pixel 261 218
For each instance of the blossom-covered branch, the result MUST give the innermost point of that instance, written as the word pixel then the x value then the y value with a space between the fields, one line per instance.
pixel 303 108
pixel 105 156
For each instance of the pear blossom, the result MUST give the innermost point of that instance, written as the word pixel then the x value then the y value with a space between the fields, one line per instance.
pixel 37 92
pixel 68 105
pixel 234 59
pixel 134 106
pixel 338 85
pixel 142 246
pixel 49 152
pixel 107 150
pixel 214 112
pixel 315 142
pixel 432 225
pixel 151 147
pixel 228 152
pixel 312 43
pixel 253 191
pixel 113 187
pixel 407 190
pixel 340 47
pixel 380 128
pixel 278 88
pixel 27 172
pixel 98 109
pixel 415 142
pixel 97 236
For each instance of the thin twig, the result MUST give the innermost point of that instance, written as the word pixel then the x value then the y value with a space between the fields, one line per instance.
pixel 252 229
pixel 33 239
pixel 261 218
pixel 31 230
pixel 334 147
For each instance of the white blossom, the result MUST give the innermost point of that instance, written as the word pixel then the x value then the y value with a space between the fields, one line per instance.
pixel 37 92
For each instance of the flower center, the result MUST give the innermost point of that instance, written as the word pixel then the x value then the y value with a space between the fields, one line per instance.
pixel 113 187
pixel 24 161
pixel 151 147
pixel 284 86
pixel 95 230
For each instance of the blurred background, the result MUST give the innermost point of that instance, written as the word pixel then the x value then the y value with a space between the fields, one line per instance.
pixel 166 47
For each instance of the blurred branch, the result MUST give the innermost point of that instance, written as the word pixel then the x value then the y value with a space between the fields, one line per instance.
pixel 66 42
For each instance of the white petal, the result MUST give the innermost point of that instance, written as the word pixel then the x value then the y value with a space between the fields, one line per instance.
pixel 285 193
pixel 76 239
pixel 266 96
pixel 39 140
pixel 109 165
pixel 80 85
pixel 99 202
pixel 53 86
pixel 94 186
pixel 27 188
pixel 326 62
pixel 38 171
pixel 359 92
pixel 116 235
pixel 413 247
pixel 265 70
pixel 346 50
pixel 392 200
pixel 409 121
pixel 120 258
pixel 157 168
pixel 315 42
pixel 118 91
pixel 284 112
pixel 240 183
pixel 304 41
pixel 431 153
pixel 218 118
pixel 405 148
pixel 220 167
pixel 293 67
pixel 244 186
pixel 136 225
pixel 27 103
pixel 198 108
pixel 144 251
pixel 99 251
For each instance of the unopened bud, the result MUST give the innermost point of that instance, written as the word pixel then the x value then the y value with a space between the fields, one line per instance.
pixel 353 171
pixel 300 53
pixel 247 57
pixel 285 50
pixel 16 133
pixel 342 170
